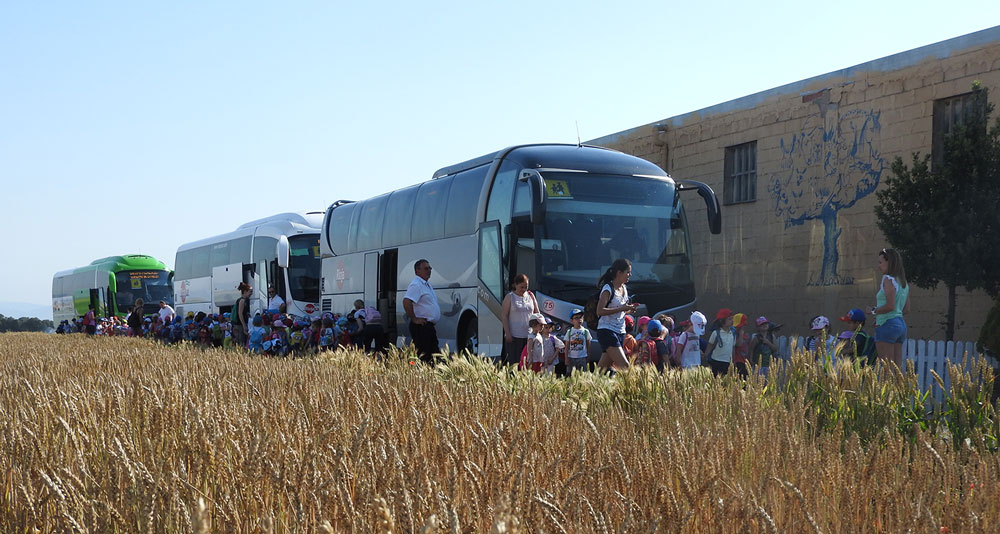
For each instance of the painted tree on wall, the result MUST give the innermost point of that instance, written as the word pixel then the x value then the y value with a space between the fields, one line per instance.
pixel 824 169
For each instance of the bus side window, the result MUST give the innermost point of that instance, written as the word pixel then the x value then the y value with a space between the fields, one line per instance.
pixel 429 210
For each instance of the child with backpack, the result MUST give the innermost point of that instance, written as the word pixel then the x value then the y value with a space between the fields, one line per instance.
pixel 653 349
pixel 552 347
pixel 533 356
pixel 327 335
pixel 864 344
pixel 577 343
pixel 687 347
pixel 256 335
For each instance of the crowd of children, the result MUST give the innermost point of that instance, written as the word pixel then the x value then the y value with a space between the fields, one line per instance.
pixel 270 332
pixel 726 345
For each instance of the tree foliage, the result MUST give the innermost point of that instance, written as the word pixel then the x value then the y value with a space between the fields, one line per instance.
pixel 24 324
pixel 943 218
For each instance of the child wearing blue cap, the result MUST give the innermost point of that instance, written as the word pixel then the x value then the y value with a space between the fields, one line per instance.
pixel 864 344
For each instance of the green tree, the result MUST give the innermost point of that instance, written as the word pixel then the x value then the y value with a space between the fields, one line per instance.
pixel 943 218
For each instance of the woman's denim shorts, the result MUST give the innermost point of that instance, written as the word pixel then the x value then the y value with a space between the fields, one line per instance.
pixel 609 339
pixel 892 331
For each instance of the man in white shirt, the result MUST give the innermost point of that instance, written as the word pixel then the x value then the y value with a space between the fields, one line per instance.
pixel 274 301
pixel 165 312
pixel 421 307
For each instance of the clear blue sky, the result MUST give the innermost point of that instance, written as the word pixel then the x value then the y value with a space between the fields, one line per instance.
pixel 135 127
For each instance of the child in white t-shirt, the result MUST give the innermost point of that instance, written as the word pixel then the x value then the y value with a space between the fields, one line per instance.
pixel 577 342
pixel 536 344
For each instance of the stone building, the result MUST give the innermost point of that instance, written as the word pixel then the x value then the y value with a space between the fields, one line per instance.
pixel 795 168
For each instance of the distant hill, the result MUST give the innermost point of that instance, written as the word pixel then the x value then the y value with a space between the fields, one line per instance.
pixel 24 309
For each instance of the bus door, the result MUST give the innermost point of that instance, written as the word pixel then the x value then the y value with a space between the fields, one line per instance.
pixel 489 335
pixel 97 297
pixel 225 279
pixel 386 291
pixel 258 281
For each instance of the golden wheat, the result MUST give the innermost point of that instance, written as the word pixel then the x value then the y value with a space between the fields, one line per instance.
pixel 121 435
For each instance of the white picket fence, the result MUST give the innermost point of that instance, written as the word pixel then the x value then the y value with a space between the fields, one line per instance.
pixel 925 355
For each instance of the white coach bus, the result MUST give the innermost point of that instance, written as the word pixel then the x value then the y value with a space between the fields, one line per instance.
pixel 281 251
pixel 558 213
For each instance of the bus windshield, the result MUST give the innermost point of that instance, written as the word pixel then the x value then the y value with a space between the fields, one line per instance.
pixel 149 285
pixel 304 267
pixel 593 219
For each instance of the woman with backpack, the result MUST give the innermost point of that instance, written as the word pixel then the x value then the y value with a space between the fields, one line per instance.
pixel 241 316
pixel 721 342
pixel 612 305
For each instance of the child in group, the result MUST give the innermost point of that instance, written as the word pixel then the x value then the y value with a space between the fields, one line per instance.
pixel 651 349
pixel 629 343
pixel 256 335
pixel 311 333
pixel 297 339
pixel 577 342
pixel 820 343
pixel 640 327
pixel 864 343
pixel 535 349
pixel 687 350
pixel 343 332
pixel 762 346
pixel 327 335
pixel 278 338
pixel 721 342
pixel 741 344
pixel 552 347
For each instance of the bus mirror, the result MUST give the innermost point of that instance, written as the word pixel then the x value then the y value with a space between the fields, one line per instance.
pixel 283 252
pixel 711 202
pixel 536 184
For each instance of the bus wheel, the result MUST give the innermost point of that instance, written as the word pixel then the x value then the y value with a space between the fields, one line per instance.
pixel 470 336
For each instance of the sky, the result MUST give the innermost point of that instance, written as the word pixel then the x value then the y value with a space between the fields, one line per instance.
pixel 133 127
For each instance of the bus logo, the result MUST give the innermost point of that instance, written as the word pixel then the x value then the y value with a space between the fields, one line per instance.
pixel 310 308
pixel 341 274
pixel 548 306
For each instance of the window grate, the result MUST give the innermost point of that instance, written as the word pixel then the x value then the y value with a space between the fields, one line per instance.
pixel 741 173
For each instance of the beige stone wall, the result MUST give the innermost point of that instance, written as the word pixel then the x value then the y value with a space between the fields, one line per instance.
pixel 762 266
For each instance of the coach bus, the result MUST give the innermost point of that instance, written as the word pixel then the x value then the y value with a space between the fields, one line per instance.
pixel 111 285
pixel 558 213
pixel 280 251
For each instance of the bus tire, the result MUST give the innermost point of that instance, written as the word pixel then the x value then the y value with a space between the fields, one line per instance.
pixel 468 338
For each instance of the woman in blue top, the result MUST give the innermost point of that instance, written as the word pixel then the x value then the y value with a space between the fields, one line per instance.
pixel 612 305
pixel 891 303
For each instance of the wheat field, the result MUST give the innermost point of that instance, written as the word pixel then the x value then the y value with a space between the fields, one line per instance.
pixel 124 435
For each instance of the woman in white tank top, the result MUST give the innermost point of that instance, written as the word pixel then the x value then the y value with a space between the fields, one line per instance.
pixel 612 305
pixel 515 311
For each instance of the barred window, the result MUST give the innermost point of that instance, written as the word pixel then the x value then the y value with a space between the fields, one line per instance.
pixel 950 113
pixel 741 173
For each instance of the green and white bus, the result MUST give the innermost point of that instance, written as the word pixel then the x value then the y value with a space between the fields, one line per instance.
pixel 558 213
pixel 111 285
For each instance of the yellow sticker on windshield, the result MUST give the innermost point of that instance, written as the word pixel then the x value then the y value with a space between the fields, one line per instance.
pixel 557 189
pixel 136 283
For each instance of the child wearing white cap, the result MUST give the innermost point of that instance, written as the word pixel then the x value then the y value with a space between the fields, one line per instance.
pixel 688 347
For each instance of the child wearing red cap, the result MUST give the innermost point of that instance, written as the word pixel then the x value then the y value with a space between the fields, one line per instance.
pixel 721 342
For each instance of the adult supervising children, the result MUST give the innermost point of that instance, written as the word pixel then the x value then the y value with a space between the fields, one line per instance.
pixel 891 303
pixel 612 305
pixel 515 311
pixel 421 307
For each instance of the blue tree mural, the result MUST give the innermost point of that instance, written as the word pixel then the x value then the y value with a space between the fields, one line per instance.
pixel 824 169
